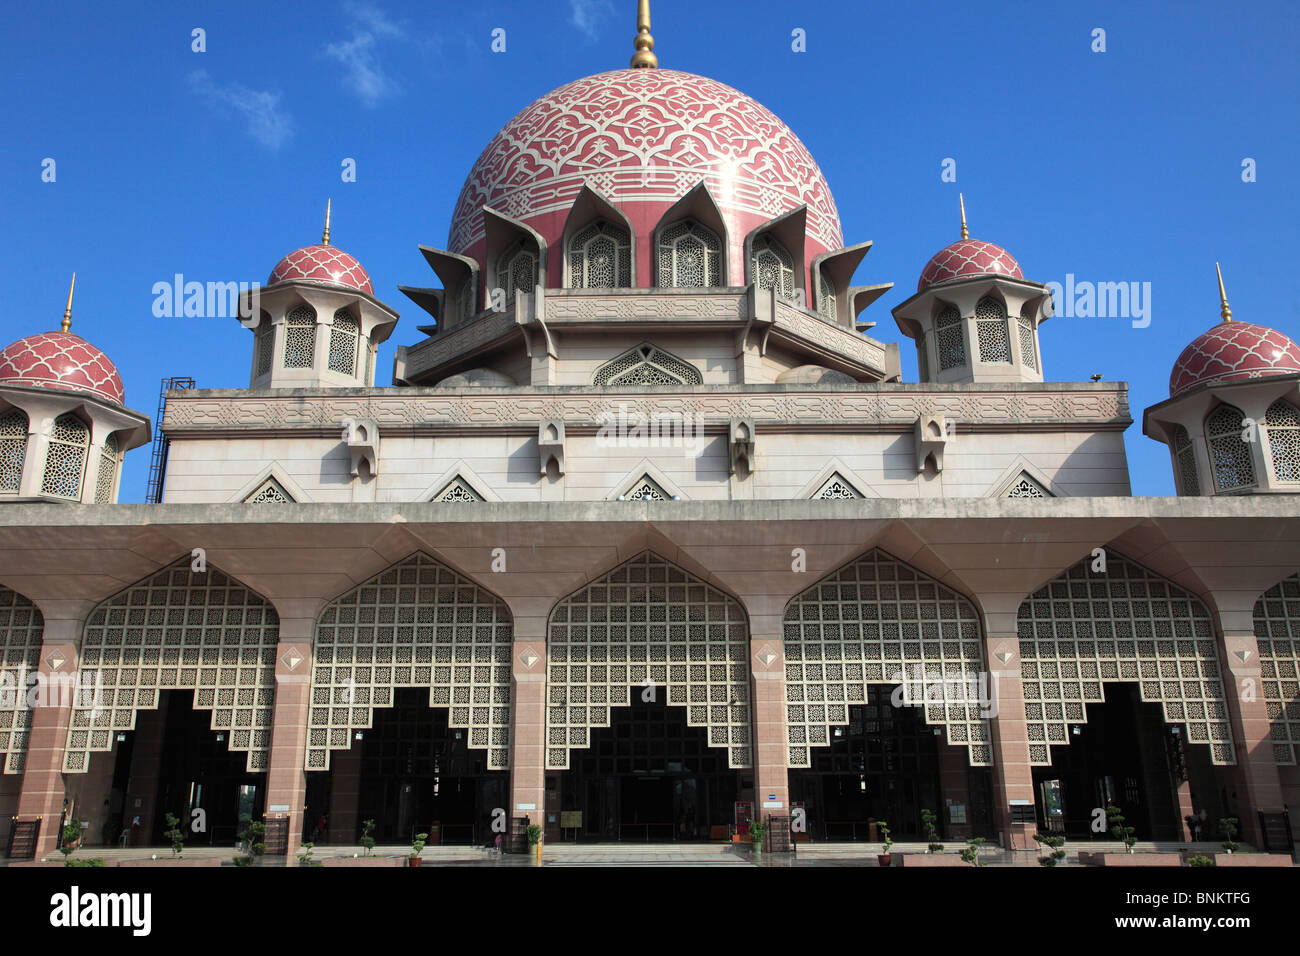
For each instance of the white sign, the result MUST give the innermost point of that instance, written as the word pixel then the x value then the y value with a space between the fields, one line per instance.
pixel 279 808
pixel 772 804
pixel 525 806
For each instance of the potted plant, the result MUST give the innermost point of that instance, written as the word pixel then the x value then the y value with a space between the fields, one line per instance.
pixel 250 841
pixel 1200 860
pixel 175 835
pixel 757 830
pixel 367 840
pixel 416 848
pixel 1055 844
pixel 1115 817
pixel 971 854
pixel 884 858
pixel 1228 827
pixel 931 831
pixel 304 855
pixel 535 838
pixel 71 841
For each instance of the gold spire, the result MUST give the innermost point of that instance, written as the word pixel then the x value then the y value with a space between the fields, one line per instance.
pixel 1224 309
pixel 67 312
pixel 644 58
pixel 325 239
pixel 965 233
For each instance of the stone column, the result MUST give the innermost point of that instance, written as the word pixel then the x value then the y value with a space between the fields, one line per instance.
pixel 767 706
pixel 1013 777
pixel 528 733
pixel 286 780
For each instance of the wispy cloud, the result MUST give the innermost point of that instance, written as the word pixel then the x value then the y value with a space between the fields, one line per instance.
pixel 588 13
pixel 260 109
pixel 364 74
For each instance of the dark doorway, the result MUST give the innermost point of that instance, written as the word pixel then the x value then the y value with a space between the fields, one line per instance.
pixel 647 778
pixel 884 765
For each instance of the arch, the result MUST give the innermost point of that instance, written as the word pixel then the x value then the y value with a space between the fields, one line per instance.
pixel 264 345
pixel 877 620
pixel 65 458
pixel 647 365
pixel 177 629
pixel 1083 630
pixel 827 303
pixel 300 337
pixel 600 257
pixel 588 209
pixel 772 266
pixel 1186 475
pixel 517 268
pixel 13 450
pixel 949 338
pixel 1282 423
pixel 416 624
pixel 690 257
pixel 106 481
pixel 1028 349
pixel 647 623
pixel 345 333
pixel 21 630
pixel 1277 629
pixel 1231 461
pixel 991 330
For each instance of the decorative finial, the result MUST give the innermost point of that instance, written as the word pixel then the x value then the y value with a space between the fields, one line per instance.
pixel 1224 309
pixel 965 233
pixel 67 312
pixel 325 239
pixel 644 57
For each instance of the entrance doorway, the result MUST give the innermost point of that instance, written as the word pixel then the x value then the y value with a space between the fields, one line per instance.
pixel 647 778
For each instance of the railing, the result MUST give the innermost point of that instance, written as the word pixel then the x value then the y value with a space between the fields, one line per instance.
pixel 158 458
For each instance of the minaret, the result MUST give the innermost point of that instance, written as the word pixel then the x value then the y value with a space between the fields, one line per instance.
pixel 644 58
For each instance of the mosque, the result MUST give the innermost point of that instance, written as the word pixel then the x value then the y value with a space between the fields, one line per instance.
pixel 812 593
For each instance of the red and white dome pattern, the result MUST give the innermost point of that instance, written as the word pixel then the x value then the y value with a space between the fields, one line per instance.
pixel 1232 352
pixel 644 138
pixel 63 361
pixel 966 258
pixel 327 265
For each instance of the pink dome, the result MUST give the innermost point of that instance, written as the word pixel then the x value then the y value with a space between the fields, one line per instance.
pixel 322 264
pixel 966 258
pixel 642 139
pixel 63 361
pixel 1233 352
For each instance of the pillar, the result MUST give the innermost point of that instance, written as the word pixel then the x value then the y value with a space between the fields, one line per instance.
pixel 1013 777
pixel 286 780
pixel 769 748
pixel 528 731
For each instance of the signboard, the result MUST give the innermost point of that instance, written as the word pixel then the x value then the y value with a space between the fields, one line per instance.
pixel 570 819
pixel 525 806
pixel 956 813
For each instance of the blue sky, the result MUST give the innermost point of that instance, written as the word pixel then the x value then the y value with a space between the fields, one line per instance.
pixel 1117 166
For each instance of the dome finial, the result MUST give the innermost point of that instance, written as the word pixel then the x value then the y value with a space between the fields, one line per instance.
pixel 66 325
pixel 325 238
pixel 965 233
pixel 644 58
pixel 1224 309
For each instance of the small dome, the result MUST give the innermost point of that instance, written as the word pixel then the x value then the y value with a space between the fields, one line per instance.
pixel 966 258
pixel 324 265
pixel 1232 352
pixel 63 361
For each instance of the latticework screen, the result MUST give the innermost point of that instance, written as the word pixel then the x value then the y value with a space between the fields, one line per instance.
pixel 1087 628
pixel 21 627
pixel 648 626
pixel 1277 628
pixel 418 624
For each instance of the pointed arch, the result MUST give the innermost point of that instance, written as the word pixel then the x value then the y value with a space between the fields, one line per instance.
pixel 877 620
pixel 647 622
pixel 416 624
pixel 21 630
pixel 1085 629
pixel 589 210
pixel 696 224
pixel 991 330
pixel 1231 461
pixel 949 336
pixel 1186 474
pixel 647 364
pixel 273 485
pixel 1282 424
pixel 13 449
pixel 1277 629
pixel 65 458
pixel 177 629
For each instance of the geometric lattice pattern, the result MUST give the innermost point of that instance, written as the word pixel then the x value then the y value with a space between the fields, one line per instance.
pixel 106 482
pixel 879 621
pixel 417 624
pixel 1277 629
pixel 1028 354
pixel 21 627
pixel 647 365
pixel 458 490
pixel 690 257
pixel 65 461
pixel 826 290
pixel 269 492
pixel 1188 479
pixel 323 264
pixel 968 257
pixel 773 267
pixel 13 449
pixel 1087 628
pixel 949 340
pixel 648 625
pixel 343 343
pixel 177 630
pixel 991 330
pixel 300 337
pixel 1026 487
pixel 836 488
pixel 1233 352
pixel 1283 425
pixel 517 270
pixel 600 258
pixel 646 489
pixel 1231 460
pixel 61 360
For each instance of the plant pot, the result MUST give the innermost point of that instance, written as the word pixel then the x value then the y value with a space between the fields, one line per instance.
pixel 885 859
pixel 414 861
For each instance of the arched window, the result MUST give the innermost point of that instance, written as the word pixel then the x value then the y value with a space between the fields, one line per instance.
pixel 106 483
pixel 949 340
pixel 991 330
pixel 826 289
pixel 1028 354
pixel 517 269
pixel 344 334
pixel 465 301
pixel 600 257
pixel 647 365
pixel 264 340
pixel 1282 422
pixel 13 450
pixel 690 257
pixel 65 461
pixel 922 359
pixel 1230 458
pixel 773 267
pixel 300 337
pixel 1189 482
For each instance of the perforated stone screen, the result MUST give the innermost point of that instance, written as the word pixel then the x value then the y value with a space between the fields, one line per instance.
pixel 647 621
pixel 177 630
pixel 1088 628
pixel 417 624
pixel 1277 628
pixel 21 628
pixel 875 621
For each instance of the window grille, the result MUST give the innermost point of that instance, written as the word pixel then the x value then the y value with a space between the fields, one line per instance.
pixel 1189 482
pixel 690 257
pixel 517 270
pixel 300 338
pixel 836 488
pixel 1028 353
pixel 106 483
pixel 827 291
pixel 949 339
pixel 345 334
pixel 991 330
pixel 265 341
pixel 13 450
pixel 458 490
pixel 21 628
pixel 1231 461
pixel 1026 487
pixel 1277 629
pixel 773 267
pixel 1282 422
pixel 647 365
pixel 65 462
pixel 600 257
pixel 270 492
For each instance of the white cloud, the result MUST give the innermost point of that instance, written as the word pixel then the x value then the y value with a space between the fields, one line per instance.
pixel 364 74
pixel 587 13
pixel 267 122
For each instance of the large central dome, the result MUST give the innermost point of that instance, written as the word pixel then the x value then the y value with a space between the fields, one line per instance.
pixel 643 139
